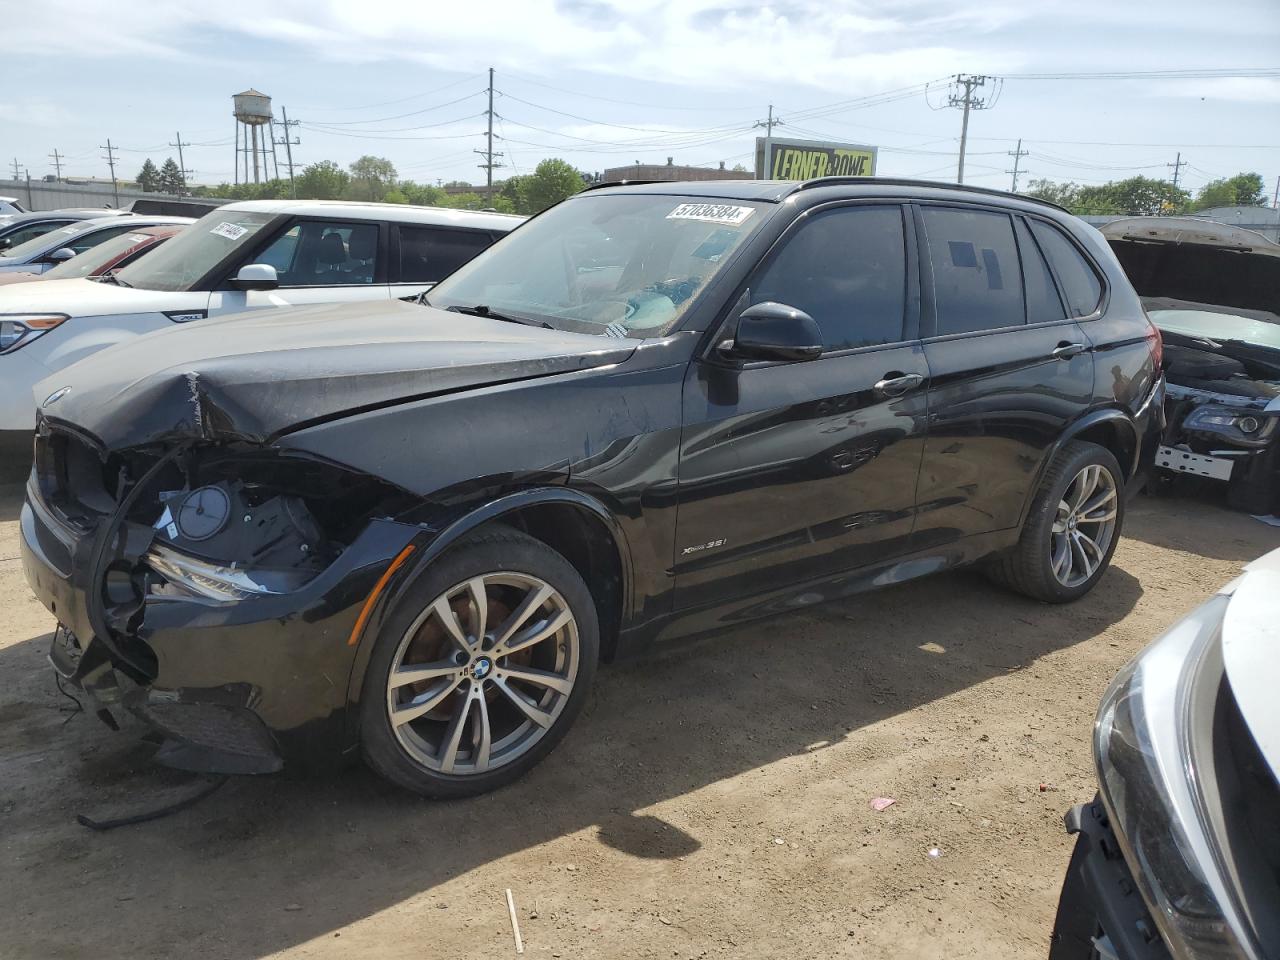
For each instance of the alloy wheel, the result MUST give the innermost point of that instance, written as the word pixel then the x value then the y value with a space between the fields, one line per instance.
pixel 1084 525
pixel 482 673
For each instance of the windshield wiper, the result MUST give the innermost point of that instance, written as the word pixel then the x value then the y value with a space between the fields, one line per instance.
pixel 482 310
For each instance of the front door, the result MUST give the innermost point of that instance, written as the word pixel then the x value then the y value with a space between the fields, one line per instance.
pixel 793 471
pixel 316 261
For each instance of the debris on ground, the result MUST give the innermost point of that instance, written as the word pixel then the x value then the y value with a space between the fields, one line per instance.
pixel 882 803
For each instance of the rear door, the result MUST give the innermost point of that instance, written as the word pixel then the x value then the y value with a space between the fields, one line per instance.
pixel 1009 367
pixel 425 254
pixel 317 261
pixel 794 471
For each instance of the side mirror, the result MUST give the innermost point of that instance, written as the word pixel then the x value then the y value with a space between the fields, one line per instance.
pixel 256 276
pixel 61 255
pixel 774 331
pixel 5 243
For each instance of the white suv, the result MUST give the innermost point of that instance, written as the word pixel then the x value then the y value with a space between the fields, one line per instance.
pixel 242 256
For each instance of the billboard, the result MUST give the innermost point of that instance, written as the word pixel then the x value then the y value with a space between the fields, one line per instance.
pixel 778 159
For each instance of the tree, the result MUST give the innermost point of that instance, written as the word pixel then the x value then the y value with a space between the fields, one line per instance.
pixel 1136 196
pixel 423 194
pixel 1063 194
pixel 322 181
pixel 551 181
pixel 371 177
pixel 148 177
pixel 170 180
pixel 1244 190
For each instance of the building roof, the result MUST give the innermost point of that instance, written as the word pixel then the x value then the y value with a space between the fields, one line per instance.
pixel 402 212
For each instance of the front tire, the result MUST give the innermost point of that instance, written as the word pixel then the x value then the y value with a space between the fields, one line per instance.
pixel 482 668
pixel 1072 529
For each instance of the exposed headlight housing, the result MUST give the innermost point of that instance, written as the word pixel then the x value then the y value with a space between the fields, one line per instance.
pixel 19 329
pixel 1247 427
pixel 1148 746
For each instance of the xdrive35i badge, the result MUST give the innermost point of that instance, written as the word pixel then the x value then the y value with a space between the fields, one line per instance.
pixel 54 397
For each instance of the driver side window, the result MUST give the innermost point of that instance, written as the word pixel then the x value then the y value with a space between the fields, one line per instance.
pixel 847 269
pixel 318 254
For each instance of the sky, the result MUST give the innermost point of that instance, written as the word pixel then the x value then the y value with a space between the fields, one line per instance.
pixel 604 83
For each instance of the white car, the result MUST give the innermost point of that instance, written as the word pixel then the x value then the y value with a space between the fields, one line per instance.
pixel 58 246
pixel 242 256
pixel 1182 844
pixel 10 205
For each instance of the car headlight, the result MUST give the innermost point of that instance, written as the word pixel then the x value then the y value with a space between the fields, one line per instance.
pixel 1246 426
pixel 1146 742
pixel 17 330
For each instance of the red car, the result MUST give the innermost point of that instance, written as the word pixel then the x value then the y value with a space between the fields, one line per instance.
pixel 108 255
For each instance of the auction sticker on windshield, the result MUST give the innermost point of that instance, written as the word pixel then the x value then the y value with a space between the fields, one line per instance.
pixel 231 231
pixel 711 213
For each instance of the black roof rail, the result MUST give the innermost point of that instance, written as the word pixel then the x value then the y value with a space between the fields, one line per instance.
pixel 622 183
pixel 908 182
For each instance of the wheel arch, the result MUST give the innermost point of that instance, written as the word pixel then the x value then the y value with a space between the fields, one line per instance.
pixel 1110 428
pixel 571 522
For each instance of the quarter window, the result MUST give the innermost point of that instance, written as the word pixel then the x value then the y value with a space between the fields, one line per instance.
pixel 1043 302
pixel 1080 284
pixel 428 255
pixel 976 279
pixel 90 240
pixel 19 237
pixel 846 268
pixel 319 254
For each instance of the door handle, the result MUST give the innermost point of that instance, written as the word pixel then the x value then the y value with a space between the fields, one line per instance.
pixel 1066 350
pixel 896 384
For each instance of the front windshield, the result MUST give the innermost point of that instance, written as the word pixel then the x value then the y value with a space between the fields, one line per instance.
pixel 616 264
pixel 186 258
pixel 1217 326
pixel 91 262
pixel 53 240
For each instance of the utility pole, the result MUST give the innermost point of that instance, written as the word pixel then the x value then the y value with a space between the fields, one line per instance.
pixel 1017 155
pixel 289 143
pixel 111 162
pixel 488 154
pixel 967 101
pixel 767 124
pixel 17 170
pixel 182 166
pixel 1275 202
pixel 1177 165
pixel 56 157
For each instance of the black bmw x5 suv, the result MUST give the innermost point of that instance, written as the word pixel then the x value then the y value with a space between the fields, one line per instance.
pixel 410 531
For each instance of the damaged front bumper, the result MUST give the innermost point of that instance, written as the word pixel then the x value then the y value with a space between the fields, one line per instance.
pixel 231 686
pixel 1228 439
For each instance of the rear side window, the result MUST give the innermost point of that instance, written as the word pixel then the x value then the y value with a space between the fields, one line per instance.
pixel 977 284
pixel 1043 302
pixel 429 254
pixel 1080 284
pixel 19 237
pixel 846 268
pixel 90 240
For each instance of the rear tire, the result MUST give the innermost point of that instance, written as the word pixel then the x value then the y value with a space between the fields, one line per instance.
pixel 460 706
pixel 1079 508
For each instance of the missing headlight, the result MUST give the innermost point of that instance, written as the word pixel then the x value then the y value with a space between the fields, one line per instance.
pixel 227 541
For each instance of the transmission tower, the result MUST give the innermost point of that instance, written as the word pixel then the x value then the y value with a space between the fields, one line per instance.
pixel 967 100
pixel 489 165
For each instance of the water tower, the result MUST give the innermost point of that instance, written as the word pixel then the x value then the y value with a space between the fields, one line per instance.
pixel 255 135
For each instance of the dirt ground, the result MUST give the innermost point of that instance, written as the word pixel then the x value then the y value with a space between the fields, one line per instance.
pixel 712 801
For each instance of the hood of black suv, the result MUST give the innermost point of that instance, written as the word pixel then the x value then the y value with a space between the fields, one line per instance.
pixel 256 376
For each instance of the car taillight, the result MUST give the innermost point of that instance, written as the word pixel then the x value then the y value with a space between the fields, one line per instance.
pixel 1156 341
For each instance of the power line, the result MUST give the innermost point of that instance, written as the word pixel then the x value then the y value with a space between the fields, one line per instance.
pixel 1017 153
pixel 398 116
pixel 412 96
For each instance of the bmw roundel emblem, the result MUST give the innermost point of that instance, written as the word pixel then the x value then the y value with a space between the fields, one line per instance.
pixel 56 396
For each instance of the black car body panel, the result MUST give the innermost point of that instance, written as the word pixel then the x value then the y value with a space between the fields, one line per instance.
pixel 1214 292
pixel 691 489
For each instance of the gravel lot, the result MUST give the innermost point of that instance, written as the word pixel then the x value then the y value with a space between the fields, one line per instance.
pixel 712 800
